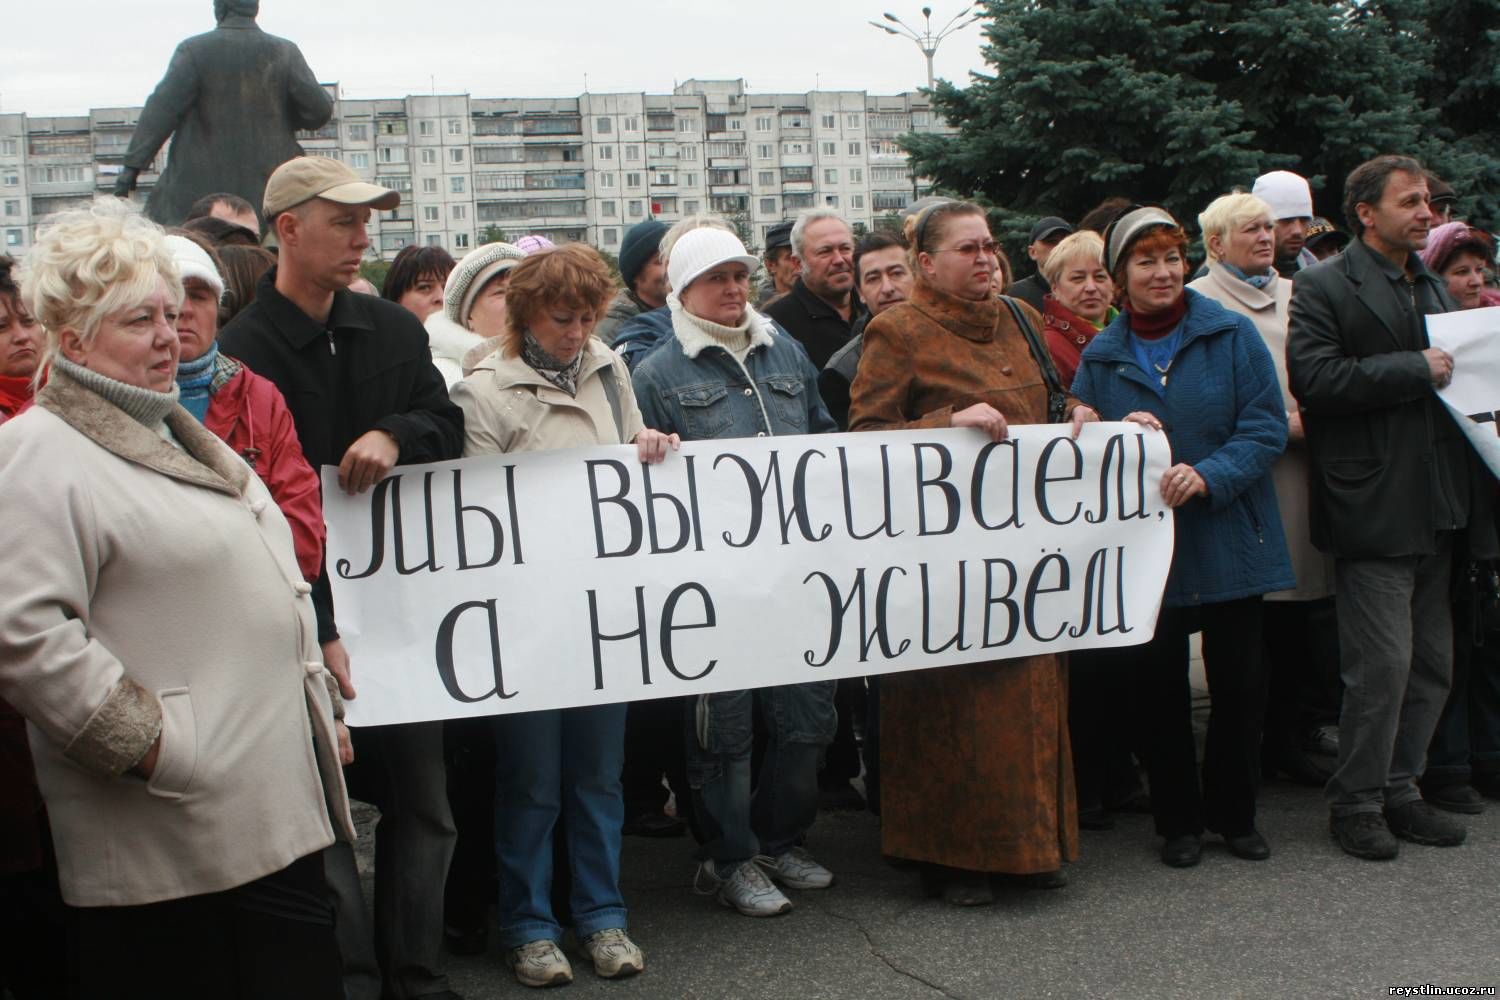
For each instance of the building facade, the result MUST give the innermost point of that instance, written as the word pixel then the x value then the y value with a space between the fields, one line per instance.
pixel 583 168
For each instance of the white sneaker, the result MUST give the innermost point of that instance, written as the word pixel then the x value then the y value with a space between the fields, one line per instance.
pixel 746 889
pixel 613 953
pixel 796 869
pixel 540 963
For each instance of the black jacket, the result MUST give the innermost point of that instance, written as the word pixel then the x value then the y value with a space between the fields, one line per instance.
pixel 367 368
pixel 813 323
pixel 1390 469
pixel 1031 291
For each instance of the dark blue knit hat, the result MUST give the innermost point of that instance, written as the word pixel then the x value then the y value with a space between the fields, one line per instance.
pixel 641 241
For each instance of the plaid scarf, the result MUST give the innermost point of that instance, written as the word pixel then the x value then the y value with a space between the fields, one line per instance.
pixel 563 374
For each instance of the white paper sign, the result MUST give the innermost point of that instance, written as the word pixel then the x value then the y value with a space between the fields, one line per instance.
pixel 511 583
pixel 1472 336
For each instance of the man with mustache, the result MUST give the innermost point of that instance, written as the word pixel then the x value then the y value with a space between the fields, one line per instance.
pixel 1291 204
pixel 1393 484
pixel 357 374
pixel 822 308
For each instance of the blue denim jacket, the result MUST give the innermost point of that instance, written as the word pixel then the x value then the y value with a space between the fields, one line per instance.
pixel 693 387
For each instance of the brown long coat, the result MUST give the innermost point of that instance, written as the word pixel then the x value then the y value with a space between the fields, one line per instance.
pixel 976 771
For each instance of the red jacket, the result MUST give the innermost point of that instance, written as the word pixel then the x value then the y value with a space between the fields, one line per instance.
pixel 249 414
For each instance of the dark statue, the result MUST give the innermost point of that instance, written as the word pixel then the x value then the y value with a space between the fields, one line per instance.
pixel 232 100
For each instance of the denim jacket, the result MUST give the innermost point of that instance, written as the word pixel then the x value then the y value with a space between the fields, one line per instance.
pixel 690 385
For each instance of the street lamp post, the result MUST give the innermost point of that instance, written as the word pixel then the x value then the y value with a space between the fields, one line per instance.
pixel 927 40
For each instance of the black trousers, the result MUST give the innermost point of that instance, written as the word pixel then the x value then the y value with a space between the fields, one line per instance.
pixel 1161 700
pixel 653 747
pixel 1098 687
pixel 1302 659
pixel 271 939
pixel 469 754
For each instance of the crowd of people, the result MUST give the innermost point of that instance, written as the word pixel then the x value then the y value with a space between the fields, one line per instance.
pixel 173 757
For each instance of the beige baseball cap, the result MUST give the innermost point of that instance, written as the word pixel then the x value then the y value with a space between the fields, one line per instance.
pixel 308 177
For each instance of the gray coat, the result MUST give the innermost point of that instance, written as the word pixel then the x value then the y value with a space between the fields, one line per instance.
pixel 232 101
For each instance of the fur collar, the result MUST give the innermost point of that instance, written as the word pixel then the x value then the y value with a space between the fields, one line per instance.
pixel 694 339
pixel 449 340
pixel 203 459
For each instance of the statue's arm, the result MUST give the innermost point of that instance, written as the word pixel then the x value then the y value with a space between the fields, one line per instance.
pixel 165 109
pixel 308 102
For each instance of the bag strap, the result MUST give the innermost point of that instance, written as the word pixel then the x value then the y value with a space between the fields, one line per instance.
pixel 612 393
pixel 1057 399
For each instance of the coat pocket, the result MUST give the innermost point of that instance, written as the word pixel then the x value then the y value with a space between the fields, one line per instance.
pixel 705 410
pixel 177 758
pixel 788 403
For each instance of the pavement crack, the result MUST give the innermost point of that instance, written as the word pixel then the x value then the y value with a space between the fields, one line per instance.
pixel 875 950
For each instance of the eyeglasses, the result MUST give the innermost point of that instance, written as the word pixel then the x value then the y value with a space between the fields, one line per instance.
pixel 989 248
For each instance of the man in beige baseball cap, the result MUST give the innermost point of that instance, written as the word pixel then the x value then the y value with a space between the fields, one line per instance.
pixel 308 177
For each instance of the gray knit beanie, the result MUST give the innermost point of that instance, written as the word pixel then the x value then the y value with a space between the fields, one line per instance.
pixel 469 277
pixel 1130 227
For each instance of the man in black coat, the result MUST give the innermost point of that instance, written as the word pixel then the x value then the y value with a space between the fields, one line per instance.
pixel 358 378
pixel 1046 234
pixel 232 100
pixel 1393 485
pixel 821 310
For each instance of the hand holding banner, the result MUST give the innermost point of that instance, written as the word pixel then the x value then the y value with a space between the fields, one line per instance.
pixel 512 583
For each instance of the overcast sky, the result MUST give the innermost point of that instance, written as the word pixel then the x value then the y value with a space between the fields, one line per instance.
pixel 64 58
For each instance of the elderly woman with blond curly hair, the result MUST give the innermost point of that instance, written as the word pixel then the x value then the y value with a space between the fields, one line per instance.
pixel 180 717
pixel 552 384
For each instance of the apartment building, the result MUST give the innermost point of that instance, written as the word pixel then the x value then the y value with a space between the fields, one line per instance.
pixel 582 168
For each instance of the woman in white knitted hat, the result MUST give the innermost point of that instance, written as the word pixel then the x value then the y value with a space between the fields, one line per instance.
pixel 552 384
pixel 730 372
pixel 472 320
pixel 160 640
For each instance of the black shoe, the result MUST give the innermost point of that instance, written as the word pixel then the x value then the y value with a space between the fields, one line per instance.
pixel 653 824
pixel 1039 880
pixel 465 940
pixel 1250 846
pixel 1183 851
pixel 1364 835
pixel 1454 798
pixel 1419 823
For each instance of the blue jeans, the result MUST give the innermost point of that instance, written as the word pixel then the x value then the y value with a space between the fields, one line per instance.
pixel 799 720
pixel 560 763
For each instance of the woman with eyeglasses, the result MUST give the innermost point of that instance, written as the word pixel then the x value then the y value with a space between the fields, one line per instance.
pixel 1179 363
pixel 976 781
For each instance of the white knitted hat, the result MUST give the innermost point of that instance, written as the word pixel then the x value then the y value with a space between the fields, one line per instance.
pixel 701 250
pixel 1287 194
pixel 467 279
pixel 194 262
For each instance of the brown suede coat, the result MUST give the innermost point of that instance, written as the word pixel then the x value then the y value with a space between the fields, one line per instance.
pixel 976 769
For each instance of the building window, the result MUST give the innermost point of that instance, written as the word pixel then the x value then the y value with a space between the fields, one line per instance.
pixel 57 175
pixel 855 150
pixel 607 180
pixel 611 237
pixel 793 148
pixel 632 152
pixel 690 180
pixel 830 177
pixel 435 240
pixel 763 123
pixel 687 124
pixel 856 175
pixel 425 127
pixel 690 207
pixel 456 155
pixel 460 212
pixel 455 126
pixel 763 151
pixel 397 127
pixel 13 237
pixel 456 184
pixel 606 152
pixel 832 201
pixel 359 161
pixel 854 121
pixel 402 184
pixel 608 208
pixel 736 124
pixel 428 156
pixel 664 180
pixel 635 209
pixel 429 213
pixel 632 180
pixel 12 180
pixel 429 185
pixel 603 126
pixel 633 124
pixel 359 133
pixel 829 121
pixel 768 206
pixel 830 148
pixel 689 153
pixel 856 201
pixel 765 178
pixel 920 119
pixel 13 207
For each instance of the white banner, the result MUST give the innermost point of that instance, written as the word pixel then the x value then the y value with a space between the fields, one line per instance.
pixel 1472 337
pixel 511 583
